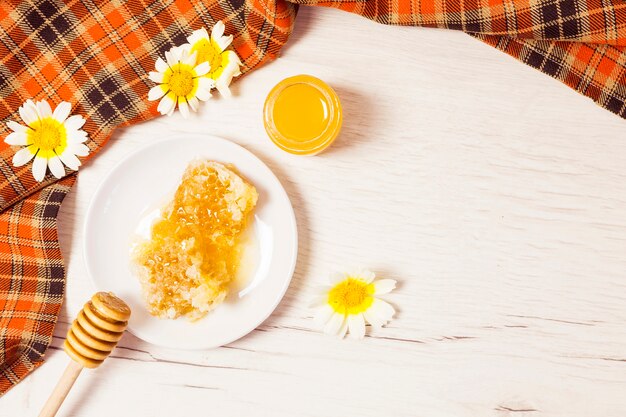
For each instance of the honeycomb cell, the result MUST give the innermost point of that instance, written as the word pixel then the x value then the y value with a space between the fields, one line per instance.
pixel 194 251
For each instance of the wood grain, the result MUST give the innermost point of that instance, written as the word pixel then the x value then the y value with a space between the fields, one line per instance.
pixel 494 195
pixel 61 390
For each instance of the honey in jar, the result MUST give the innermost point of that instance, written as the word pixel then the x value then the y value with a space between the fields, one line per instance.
pixel 302 115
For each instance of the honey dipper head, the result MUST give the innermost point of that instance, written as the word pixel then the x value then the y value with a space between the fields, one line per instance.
pixel 110 306
pixel 97 329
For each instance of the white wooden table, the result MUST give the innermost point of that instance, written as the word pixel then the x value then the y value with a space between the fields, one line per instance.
pixel 502 217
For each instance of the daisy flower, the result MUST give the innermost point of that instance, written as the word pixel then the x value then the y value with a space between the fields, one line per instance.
pixel 350 300
pixel 212 49
pixel 180 82
pixel 52 138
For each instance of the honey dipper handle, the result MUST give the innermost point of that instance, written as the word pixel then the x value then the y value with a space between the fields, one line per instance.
pixel 61 390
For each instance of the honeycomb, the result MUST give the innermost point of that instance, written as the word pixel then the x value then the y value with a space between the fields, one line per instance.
pixel 195 246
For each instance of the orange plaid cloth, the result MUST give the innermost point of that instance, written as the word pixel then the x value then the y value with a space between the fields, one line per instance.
pixel 96 55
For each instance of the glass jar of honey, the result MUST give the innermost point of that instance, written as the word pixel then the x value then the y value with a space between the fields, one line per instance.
pixel 302 115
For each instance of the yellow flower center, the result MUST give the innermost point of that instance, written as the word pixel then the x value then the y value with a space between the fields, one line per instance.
pixel 210 52
pixel 181 82
pixel 351 296
pixel 47 135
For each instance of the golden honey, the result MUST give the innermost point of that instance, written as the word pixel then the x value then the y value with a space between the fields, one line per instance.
pixel 194 251
pixel 302 115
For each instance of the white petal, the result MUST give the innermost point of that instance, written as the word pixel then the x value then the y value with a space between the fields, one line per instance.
pixel 22 156
pixel 74 122
pixel 17 138
pixel 384 286
pixel 189 59
pixel 172 56
pixel 62 111
pixel 230 70
pixel 39 168
pixel 43 109
pixel 206 83
pixel 224 41
pixel 217 35
pixel 185 47
pixel 373 319
pixel 197 35
pixel 222 87
pixel 194 37
pixel 204 89
pixel 76 136
pixel 78 149
pixel 166 104
pixel 356 324
pixel 233 60
pixel 157 77
pixel 160 65
pixel 323 314
pixel 218 30
pixel 334 324
pixel 70 160
pixel 193 103
pixel 202 69
pixel 364 274
pixel 56 167
pixel 381 311
pixel 16 127
pixel 155 93
pixel 183 107
pixel 343 330
pixel 28 112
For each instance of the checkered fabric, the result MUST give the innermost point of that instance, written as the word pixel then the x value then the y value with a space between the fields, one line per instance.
pixel 579 42
pixel 96 54
pixel 32 279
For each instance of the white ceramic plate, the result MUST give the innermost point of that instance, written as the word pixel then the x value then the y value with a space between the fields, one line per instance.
pixel 135 189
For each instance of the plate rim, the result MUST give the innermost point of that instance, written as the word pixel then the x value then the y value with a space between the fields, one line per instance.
pixel 208 138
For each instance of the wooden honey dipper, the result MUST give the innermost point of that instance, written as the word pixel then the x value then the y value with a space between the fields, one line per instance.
pixel 90 339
